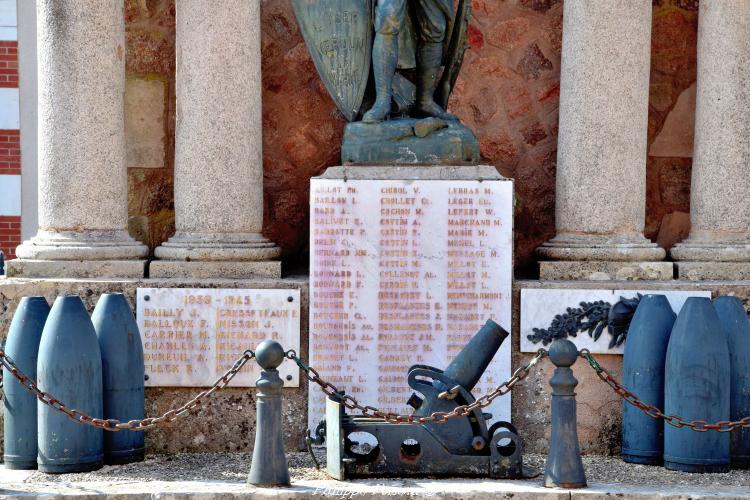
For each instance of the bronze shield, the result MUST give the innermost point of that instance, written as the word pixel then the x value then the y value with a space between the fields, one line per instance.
pixel 338 34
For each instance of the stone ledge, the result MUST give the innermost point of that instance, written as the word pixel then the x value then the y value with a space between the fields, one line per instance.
pixel 214 269
pixel 605 270
pixel 698 271
pixel 479 489
pixel 54 269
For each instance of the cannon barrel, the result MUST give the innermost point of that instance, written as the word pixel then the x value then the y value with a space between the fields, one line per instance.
pixel 469 365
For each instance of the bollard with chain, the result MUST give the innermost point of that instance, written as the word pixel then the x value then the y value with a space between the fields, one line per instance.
pixel 564 465
pixel 269 467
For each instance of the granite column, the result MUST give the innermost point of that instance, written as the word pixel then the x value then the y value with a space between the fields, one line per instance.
pixel 601 174
pixel 719 243
pixel 218 146
pixel 83 185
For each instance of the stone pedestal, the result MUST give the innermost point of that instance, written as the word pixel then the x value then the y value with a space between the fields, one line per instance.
pixel 218 146
pixel 406 265
pixel 601 177
pixel 83 184
pixel 719 243
pixel 409 141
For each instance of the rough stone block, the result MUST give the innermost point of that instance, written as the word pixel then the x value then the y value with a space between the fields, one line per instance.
pixel 214 269
pixel 22 268
pixel 699 271
pixel 144 123
pixel 605 270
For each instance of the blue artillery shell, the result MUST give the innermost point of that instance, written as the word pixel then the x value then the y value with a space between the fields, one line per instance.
pixel 643 374
pixel 695 388
pixel 20 405
pixel 734 318
pixel 69 368
pixel 122 375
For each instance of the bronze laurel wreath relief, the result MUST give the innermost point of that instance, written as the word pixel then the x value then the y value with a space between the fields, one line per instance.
pixel 591 317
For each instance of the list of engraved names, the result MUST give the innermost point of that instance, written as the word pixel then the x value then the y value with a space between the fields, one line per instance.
pixel 193 336
pixel 404 273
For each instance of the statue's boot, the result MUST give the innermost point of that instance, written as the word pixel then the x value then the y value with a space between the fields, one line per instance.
pixel 384 60
pixel 429 59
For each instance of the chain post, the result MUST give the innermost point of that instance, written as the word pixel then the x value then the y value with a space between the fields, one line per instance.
pixel 269 467
pixel 564 467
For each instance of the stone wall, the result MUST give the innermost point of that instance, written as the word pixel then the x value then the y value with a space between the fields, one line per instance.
pixel 508 93
pixel 227 423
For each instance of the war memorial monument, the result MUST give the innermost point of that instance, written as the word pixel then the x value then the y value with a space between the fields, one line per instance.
pixel 402 238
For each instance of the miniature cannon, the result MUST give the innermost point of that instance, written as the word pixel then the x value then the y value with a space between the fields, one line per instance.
pixel 462 446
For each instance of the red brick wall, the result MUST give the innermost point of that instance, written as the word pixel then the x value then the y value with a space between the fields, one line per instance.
pixel 10 235
pixel 10 152
pixel 9 64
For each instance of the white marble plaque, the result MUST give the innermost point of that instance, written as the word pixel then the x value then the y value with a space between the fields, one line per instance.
pixel 404 273
pixel 540 306
pixel 192 336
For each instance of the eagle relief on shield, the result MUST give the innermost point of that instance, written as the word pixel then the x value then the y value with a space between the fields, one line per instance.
pixel 390 67
pixel 338 34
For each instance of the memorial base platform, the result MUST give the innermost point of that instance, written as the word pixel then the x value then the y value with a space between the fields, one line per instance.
pixel 228 422
pixel 222 476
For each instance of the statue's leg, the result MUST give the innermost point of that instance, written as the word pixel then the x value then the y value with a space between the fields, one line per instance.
pixel 431 18
pixel 389 18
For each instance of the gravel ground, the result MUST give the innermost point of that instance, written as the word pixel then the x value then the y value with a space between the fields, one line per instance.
pixel 235 467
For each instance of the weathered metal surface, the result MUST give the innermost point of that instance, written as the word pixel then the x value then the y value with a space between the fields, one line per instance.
pixel 734 318
pixel 564 467
pixel 269 466
pixel 338 34
pixel 20 450
pixel 643 374
pixel 70 367
pixel 697 369
pixel 122 376
pixel 439 447
pixel 395 142
pixel 454 57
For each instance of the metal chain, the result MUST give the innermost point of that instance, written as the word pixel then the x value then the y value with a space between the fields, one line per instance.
pixel 653 411
pixel 436 417
pixel 113 425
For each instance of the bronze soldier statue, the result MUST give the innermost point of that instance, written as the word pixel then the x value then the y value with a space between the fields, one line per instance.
pixel 414 50
pixel 431 24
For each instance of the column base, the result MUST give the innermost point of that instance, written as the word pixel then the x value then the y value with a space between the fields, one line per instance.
pixel 239 247
pixel 605 270
pixel 701 271
pixel 193 255
pixel 712 250
pixel 214 269
pixel 90 245
pixel 628 248
pixel 24 268
pixel 79 254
